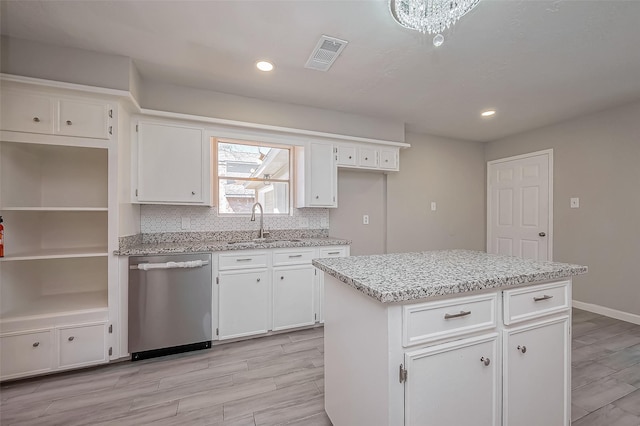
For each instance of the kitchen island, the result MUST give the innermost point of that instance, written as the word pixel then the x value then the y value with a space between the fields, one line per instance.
pixel 451 337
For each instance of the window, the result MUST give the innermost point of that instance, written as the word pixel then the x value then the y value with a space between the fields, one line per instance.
pixel 249 173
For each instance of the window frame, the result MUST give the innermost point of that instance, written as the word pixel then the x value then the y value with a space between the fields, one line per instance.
pixel 216 175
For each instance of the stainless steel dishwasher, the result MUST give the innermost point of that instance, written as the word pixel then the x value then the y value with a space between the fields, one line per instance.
pixel 169 304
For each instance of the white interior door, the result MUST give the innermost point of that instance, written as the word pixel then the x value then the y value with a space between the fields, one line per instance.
pixel 520 206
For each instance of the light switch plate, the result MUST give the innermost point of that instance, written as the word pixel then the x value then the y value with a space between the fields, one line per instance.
pixel 575 203
pixel 434 206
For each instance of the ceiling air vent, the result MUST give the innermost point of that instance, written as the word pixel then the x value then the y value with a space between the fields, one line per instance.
pixel 325 53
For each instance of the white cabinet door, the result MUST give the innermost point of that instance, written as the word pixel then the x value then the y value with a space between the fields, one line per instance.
pixel 368 157
pixel 340 251
pixel 243 303
pixel 347 155
pixel 454 384
pixel 27 353
pixel 323 175
pixel 26 112
pixel 316 175
pixel 83 118
pixel 293 297
pixel 172 165
pixel 389 158
pixel 536 376
pixel 82 345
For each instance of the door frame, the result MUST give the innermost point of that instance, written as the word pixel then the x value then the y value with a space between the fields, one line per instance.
pixel 549 154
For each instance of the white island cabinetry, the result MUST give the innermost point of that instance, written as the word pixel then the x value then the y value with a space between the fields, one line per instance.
pixel 438 352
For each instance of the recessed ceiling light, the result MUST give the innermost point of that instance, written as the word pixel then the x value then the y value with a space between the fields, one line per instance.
pixel 264 66
pixel 488 113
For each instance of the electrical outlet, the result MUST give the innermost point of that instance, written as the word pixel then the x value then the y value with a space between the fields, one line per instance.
pixel 575 203
pixel 365 219
pixel 433 206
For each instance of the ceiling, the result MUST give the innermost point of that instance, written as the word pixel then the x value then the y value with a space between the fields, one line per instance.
pixel 537 62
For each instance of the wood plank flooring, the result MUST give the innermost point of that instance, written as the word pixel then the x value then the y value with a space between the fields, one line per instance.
pixel 278 380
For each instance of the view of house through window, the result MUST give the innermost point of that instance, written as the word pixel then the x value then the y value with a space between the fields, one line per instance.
pixel 250 173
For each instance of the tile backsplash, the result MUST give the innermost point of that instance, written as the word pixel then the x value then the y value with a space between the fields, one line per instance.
pixel 161 218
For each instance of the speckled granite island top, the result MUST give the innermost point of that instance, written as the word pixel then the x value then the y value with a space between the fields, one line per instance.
pixel 412 276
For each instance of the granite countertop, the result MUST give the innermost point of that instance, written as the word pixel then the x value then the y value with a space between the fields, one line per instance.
pixel 164 247
pixel 412 276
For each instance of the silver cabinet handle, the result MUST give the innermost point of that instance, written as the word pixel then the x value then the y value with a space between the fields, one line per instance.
pixel 458 315
pixel 244 260
pixel 542 234
pixel 69 123
pixel 334 252
pixel 366 158
pixel 295 255
pixel 544 297
pixel 36 344
pixel 522 348
pixel 282 277
pixel 258 280
pixel 349 157
pixel 71 338
pixel 36 119
pixel 485 360
pixel 193 192
pixel 317 196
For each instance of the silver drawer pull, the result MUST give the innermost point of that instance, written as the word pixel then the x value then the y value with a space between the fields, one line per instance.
pixel 545 297
pixel 244 260
pixel 69 123
pixel 295 255
pixel 71 338
pixel 458 315
pixel 522 348
pixel 36 119
pixel 36 344
pixel 334 252
pixel 486 361
pixel 258 280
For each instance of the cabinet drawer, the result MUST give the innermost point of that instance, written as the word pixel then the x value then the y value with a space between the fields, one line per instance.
pixel 84 345
pixel 432 321
pixel 333 252
pixel 532 302
pixel 28 353
pixel 242 261
pixel 26 112
pixel 83 118
pixel 293 257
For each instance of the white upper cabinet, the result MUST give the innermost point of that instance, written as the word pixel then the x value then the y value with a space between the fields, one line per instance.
pixel 26 111
pixel 368 156
pixel 173 165
pixel 317 176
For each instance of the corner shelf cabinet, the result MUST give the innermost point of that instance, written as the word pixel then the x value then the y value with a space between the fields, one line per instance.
pixel 55 190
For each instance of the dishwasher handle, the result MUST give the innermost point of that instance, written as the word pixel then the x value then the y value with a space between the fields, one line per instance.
pixel 170 265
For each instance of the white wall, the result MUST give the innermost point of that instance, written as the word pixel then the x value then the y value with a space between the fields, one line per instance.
pixel 596 158
pixel 449 172
pixel 39 60
pixel 361 193
pixel 207 103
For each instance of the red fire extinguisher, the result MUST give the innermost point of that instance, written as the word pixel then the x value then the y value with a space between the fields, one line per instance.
pixel 1 238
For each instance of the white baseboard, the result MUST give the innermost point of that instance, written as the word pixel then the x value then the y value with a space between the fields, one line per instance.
pixel 607 312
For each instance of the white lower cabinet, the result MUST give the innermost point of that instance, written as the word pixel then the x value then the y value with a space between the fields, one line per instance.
pixel 40 351
pixel 24 353
pixel 293 297
pixel 81 346
pixel 243 303
pixel 454 384
pixel 536 374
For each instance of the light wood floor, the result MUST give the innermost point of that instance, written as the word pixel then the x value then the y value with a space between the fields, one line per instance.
pixel 278 380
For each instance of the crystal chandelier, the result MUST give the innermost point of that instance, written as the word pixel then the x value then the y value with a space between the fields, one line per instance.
pixel 430 16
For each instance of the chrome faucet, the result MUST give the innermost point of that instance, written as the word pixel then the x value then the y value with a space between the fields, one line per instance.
pixel 261 233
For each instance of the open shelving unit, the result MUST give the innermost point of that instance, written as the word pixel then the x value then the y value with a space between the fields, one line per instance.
pixel 54 201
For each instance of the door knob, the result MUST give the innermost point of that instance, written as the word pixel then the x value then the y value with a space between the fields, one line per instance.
pixel 542 234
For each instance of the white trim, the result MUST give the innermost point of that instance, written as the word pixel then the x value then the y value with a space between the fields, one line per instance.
pixel 550 232
pixel 607 312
